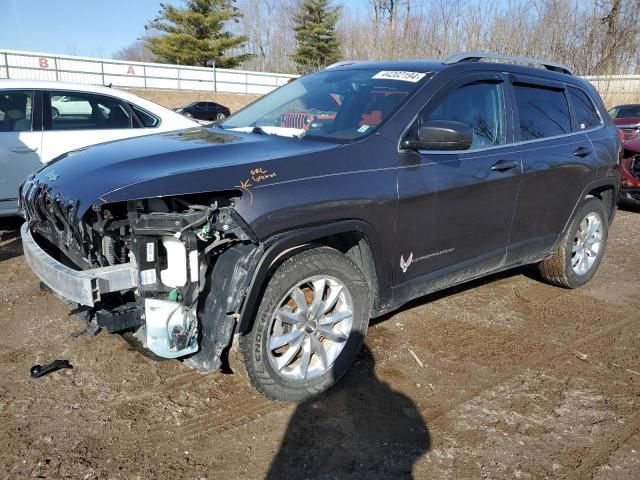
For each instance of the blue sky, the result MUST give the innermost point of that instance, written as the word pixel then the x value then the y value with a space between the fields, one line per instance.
pixel 76 27
pixel 95 28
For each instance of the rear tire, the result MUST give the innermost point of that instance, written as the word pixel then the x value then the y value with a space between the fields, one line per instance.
pixel 309 327
pixel 580 252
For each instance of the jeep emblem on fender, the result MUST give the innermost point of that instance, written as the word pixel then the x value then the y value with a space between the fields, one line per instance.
pixel 405 265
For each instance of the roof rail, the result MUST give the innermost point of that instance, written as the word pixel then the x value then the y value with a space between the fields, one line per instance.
pixel 477 56
pixel 342 64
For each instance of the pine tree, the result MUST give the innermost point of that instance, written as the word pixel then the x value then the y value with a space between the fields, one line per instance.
pixel 315 31
pixel 195 34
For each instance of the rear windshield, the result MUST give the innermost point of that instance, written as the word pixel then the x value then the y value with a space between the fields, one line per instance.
pixel 332 104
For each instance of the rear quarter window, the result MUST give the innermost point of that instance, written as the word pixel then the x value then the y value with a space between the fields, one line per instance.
pixel 543 112
pixel 146 119
pixel 584 111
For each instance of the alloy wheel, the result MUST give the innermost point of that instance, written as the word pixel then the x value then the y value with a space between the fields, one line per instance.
pixel 310 328
pixel 587 243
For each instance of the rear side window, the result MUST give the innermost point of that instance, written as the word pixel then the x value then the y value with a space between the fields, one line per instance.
pixel 16 108
pixel 87 111
pixel 584 111
pixel 543 112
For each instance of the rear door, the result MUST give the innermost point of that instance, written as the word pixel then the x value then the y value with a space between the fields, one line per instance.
pixel 200 111
pixel 74 120
pixel 455 207
pixel 20 143
pixel 557 163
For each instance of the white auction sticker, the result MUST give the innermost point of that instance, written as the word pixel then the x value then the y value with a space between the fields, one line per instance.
pixel 151 251
pixel 413 77
pixel 148 277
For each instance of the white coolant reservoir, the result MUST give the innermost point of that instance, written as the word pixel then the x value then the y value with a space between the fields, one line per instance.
pixel 166 323
pixel 175 275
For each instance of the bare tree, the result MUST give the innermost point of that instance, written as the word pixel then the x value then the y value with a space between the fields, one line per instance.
pixel 136 52
pixel 591 36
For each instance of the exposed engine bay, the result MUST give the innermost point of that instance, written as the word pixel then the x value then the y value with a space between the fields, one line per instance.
pixel 175 244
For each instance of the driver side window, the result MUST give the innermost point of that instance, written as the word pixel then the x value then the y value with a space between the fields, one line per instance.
pixel 479 105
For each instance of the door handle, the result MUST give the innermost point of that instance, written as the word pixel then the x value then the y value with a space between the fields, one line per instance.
pixel 23 150
pixel 582 152
pixel 504 165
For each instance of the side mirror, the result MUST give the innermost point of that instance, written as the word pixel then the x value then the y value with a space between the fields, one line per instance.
pixel 441 135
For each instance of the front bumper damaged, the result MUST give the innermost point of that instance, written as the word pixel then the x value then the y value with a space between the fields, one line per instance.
pixel 84 287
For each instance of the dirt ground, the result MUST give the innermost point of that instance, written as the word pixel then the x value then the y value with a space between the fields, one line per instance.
pixel 501 378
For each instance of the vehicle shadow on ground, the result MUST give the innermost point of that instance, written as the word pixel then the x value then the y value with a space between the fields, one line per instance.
pixel 360 429
pixel 10 245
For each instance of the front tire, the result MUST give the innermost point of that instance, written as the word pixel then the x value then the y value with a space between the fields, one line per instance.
pixel 309 327
pixel 580 253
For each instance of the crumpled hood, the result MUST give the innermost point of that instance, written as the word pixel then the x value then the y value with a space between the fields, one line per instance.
pixel 630 121
pixel 187 161
pixel 632 146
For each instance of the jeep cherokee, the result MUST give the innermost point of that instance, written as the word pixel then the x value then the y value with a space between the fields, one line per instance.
pixel 277 241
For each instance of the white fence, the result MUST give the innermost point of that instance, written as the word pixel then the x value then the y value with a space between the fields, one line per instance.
pixel 621 84
pixel 66 68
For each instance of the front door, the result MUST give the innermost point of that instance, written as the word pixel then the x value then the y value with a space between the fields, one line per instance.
pixel 455 208
pixel 20 144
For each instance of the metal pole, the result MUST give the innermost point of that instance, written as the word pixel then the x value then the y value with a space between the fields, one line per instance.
pixel 213 66
pixel 144 72
pixel 6 63
pixel 55 66
pixel 102 70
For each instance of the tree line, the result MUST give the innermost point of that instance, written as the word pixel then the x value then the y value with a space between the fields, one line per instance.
pixel 593 37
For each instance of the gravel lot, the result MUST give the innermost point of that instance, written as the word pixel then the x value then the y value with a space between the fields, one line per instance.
pixel 501 378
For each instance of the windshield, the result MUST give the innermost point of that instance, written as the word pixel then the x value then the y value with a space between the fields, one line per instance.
pixel 338 105
pixel 625 111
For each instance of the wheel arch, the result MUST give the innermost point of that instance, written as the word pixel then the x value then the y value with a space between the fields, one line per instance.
pixel 606 189
pixel 608 195
pixel 355 238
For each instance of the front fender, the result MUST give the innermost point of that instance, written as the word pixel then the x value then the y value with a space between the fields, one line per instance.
pixel 280 244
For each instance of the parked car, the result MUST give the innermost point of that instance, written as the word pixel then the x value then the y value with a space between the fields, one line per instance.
pixel 69 105
pixel 208 111
pixel 41 120
pixel 627 118
pixel 292 238
pixel 630 173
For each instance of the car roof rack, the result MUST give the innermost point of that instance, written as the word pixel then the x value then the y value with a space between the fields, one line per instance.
pixel 477 56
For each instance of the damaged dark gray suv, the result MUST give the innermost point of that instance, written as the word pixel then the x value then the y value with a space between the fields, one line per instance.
pixel 275 237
